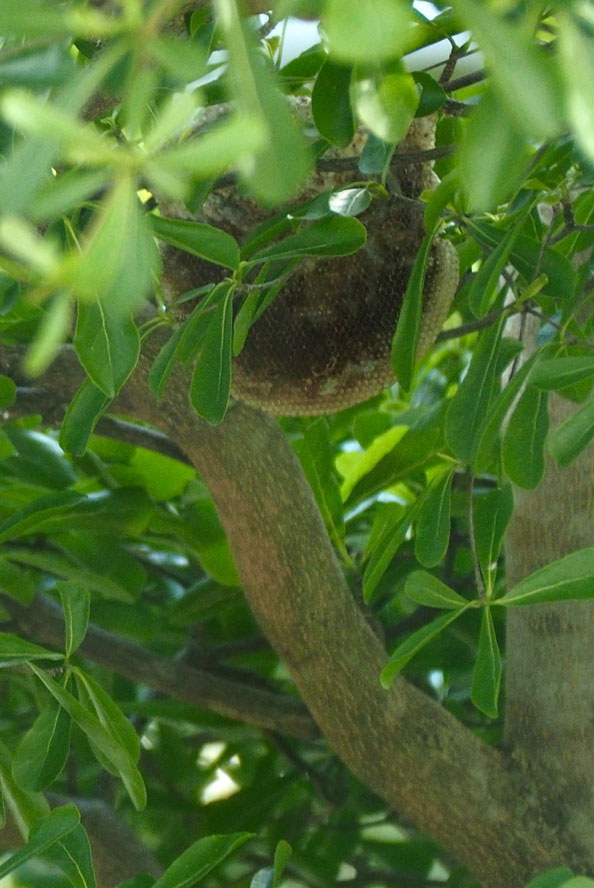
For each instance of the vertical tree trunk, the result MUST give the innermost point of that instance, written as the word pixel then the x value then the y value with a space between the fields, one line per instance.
pixel 550 653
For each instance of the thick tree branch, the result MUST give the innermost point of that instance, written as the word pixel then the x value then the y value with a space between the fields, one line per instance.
pixel 43 622
pixel 400 743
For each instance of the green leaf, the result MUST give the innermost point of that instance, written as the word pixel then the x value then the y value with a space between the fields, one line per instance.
pixel 485 285
pixel 107 345
pixel 43 835
pixel 14 650
pixel 36 66
pixel 41 457
pixel 315 454
pixel 554 878
pixel 50 335
pixel 523 442
pixel 567 579
pixel 492 158
pixel 39 514
pixel 491 514
pixel 7 391
pixel 76 603
pixel 427 590
pixel 440 197
pixel 470 405
pixel 83 414
pixel 486 678
pixel 43 751
pixel 555 374
pixel 406 336
pixel 282 853
pixel 199 239
pixel 577 68
pixel 385 98
pixel 433 526
pixel 200 859
pixel 72 855
pixel 113 751
pixel 164 364
pixel 385 548
pixel 109 713
pixel 332 236
pixel 413 644
pixel 569 439
pixel 211 380
pixel 367 30
pixel 331 104
pixel 432 96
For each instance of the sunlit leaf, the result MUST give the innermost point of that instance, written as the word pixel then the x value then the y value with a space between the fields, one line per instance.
pixel 386 99
pixel 367 30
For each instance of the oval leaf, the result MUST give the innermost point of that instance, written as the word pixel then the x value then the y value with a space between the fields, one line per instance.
pixel 423 588
pixel 211 381
pixel 486 678
pixel 76 603
pixel 332 236
pixel 205 241
pixel 523 442
pixel 569 578
pixel 413 644
pixel 406 336
pixel 199 859
pixel 433 527
pixel 43 751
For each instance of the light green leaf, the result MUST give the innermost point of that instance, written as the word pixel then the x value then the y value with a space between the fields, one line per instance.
pixel 72 855
pixel 413 644
pixel 164 364
pixel 367 30
pixel 406 336
pixel 331 104
pixel 211 380
pixel 576 49
pixel 282 853
pixel 486 283
pixel 14 650
pixel 385 98
pixel 199 239
pixel 43 835
pixel 570 578
pixel 199 859
pixel 107 345
pixel 486 678
pixel 116 754
pixel 385 549
pixel 569 439
pixel 76 603
pixel 524 438
pixel 555 878
pixel 43 750
pixel 83 414
pixel 26 807
pixel 427 590
pixel 433 526
pixel 50 335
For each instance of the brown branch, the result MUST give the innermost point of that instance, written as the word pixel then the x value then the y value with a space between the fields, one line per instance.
pixel 43 622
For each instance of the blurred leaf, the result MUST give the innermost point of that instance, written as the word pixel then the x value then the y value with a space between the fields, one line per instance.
pixel 107 345
pixel 425 589
pixel 43 835
pixel 37 515
pixel 331 104
pixel 524 438
pixel 433 525
pixel 367 30
pixel 112 749
pixel 385 99
pixel 199 859
pixel 569 439
pixel 432 96
pixel 414 642
pixel 17 583
pixel 119 257
pixel 554 878
pixel 25 807
pixel 487 281
pixel 42 753
pixel 522 74
pixel 14 650
pixel 51 333
pixel 567 579
pixel 36 66
pixel 7 391
pixel 82 415
pixel 199 239
pixel 211 380
pixel 577 66
pixel 42 455
pixel 274 172
pixel 486 678
pixel 492 158
pixel 76 603
pixel 406 336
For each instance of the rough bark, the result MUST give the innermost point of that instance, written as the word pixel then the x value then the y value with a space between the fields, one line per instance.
pixel 401 743
pixel 550 659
